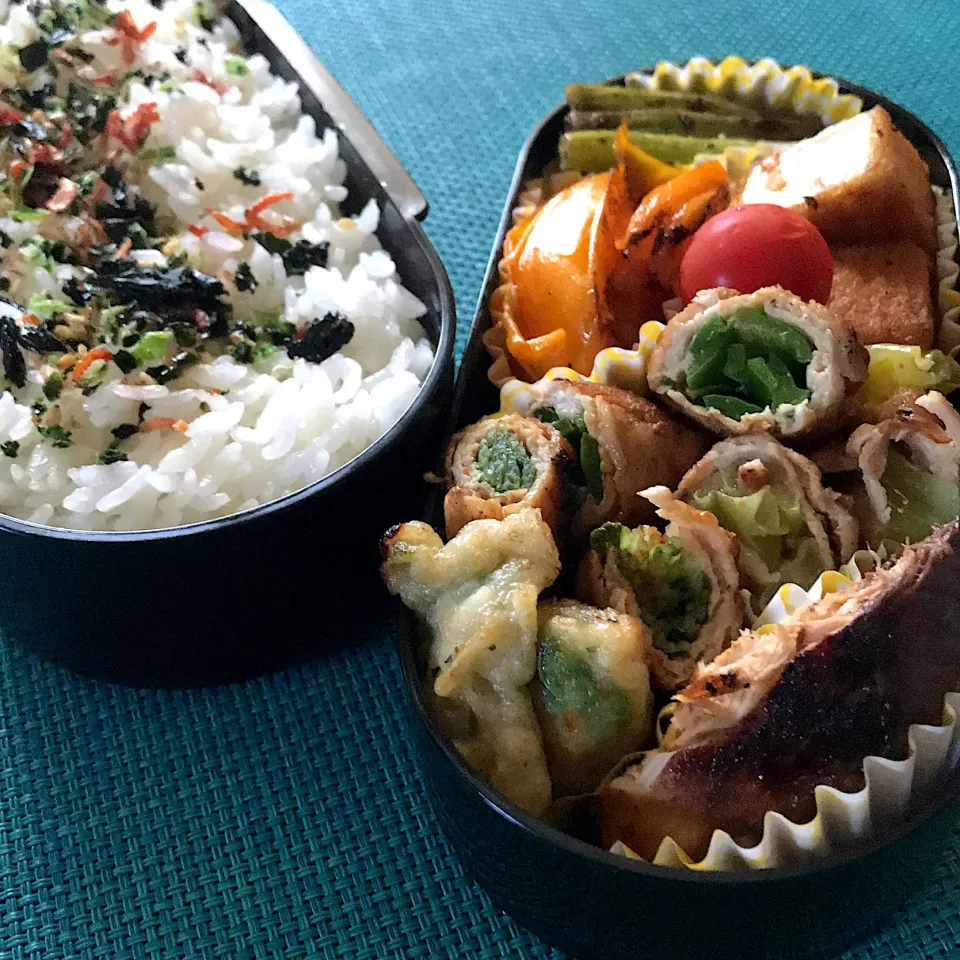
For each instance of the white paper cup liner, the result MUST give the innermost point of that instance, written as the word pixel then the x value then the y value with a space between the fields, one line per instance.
pixel 891 787
pixel 948 297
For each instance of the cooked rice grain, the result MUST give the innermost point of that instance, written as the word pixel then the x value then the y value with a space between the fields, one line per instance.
pixel 251 432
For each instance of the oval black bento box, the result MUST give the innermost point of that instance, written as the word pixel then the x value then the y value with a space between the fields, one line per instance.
pixel 593 904
pixel 223 599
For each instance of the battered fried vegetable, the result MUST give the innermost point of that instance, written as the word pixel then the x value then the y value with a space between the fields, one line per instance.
pixel 591 693
pixel 478 594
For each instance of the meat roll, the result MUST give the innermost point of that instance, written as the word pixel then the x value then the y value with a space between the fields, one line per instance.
pixel 897 376
pixel 763 361
pixel 789 526
pixel 683 584
pixel 622 444
pixel 500 465
pixel 795 705
pixel 592 692
pixel 910 470
pixel 478 594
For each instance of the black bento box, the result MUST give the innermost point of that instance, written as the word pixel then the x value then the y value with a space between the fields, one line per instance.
pixel 593 904
pixel 223 599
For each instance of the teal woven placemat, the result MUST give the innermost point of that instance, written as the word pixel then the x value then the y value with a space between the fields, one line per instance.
pixel 284 817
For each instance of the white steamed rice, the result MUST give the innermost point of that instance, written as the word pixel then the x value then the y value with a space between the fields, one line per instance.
pixel 254 431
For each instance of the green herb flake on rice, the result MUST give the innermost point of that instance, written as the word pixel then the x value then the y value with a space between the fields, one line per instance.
pixel 204 334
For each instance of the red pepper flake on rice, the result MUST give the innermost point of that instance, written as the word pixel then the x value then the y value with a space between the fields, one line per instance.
pixel 164 423
pixel 88 359
pixel 120 309
pixel 201 77
pixel 129 37
pixel 132 131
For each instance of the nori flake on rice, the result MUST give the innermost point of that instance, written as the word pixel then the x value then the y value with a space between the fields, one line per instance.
pixel 35 55
pixel 323 338
pixel 39 339
pixel 297 257
pixel 174 290
pixel 14 366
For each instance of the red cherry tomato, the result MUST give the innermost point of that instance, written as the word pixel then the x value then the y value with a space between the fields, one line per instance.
pixel 759 245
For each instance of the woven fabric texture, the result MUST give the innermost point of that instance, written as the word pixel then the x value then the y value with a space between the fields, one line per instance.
pixel 284 817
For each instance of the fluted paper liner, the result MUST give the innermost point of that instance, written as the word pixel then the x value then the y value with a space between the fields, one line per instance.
pixel 764 82
pixel 842 819
pixel 614 366
pixel 947 271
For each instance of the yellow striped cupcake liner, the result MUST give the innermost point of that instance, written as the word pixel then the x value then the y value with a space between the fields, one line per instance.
pixel 762 82
pixel 614 367
pixel 891 786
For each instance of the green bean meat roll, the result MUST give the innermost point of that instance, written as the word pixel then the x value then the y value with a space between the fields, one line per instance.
pixel 684 584
pixel 501 465
pixel 763 361
pixel 622 444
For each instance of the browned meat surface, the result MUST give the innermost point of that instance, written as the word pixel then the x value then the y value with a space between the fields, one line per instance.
pixel 857 670
pixel 469 497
